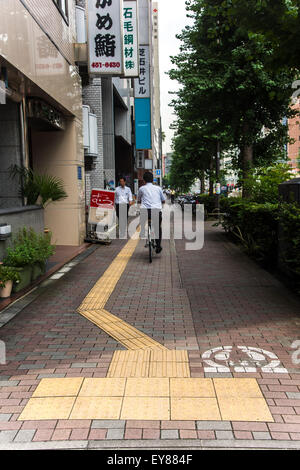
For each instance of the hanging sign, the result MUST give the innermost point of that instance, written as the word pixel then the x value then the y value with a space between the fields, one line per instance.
pixel 105 37
pixel 130 39
pixel 142 84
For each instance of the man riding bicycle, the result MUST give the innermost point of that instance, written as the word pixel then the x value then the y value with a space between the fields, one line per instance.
pixel 151 199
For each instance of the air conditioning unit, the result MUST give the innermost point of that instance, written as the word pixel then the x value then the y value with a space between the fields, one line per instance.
pixel 90 132
pixel 81 34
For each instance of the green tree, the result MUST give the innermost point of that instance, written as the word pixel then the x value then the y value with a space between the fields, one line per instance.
pixel 228 87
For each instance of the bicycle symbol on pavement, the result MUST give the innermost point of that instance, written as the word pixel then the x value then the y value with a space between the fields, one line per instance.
pixel 241 359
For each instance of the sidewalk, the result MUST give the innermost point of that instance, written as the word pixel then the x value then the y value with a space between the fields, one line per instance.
pixel 62 255
pixel 186 301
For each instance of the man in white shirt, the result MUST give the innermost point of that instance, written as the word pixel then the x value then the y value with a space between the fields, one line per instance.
pixel 152 198
pixel 123 200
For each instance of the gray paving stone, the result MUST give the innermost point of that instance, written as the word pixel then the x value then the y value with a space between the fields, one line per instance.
pixel 9 383
pixel 81 365
pixel 31 366
pixel 5 417
pixel 169 434
pixel 7 436
pixel 53 445
pixel 214 425
pixel 224 435
pixel 51 376
pixel 214 375
pixel 108 424
pixel 63 356
pixel 24 435
pixel 261 435
pixel 294 395
pixel 115 434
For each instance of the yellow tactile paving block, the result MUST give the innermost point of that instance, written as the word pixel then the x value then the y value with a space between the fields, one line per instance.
pixel 97 408
pixel 128 369
pixel 185 388
pixel 169 356
pixel 47 408
pixel 120 330
pixel 244 409
pixel 169 369
pixel 106 387
pixel 136 387
pixel 92 307
pixel 132 356
pixel 227 387
pixel 205 409
pixel 126 363
pixel 64 387
pixel 141 343
pixel 146 408
pixel 143 398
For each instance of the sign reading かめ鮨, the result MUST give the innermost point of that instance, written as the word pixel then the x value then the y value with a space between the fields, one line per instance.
pixel 105 37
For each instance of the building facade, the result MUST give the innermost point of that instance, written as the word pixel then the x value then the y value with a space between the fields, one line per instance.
pixel 58 118
pixel 41 111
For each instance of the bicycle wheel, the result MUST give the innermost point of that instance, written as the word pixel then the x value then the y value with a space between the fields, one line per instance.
pixel 150 244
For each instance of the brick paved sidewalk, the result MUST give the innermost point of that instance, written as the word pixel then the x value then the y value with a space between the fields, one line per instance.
pixel 218 298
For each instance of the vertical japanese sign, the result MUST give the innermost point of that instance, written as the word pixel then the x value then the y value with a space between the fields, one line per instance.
pixel 142 83
pixel 105 37
pixel 130 38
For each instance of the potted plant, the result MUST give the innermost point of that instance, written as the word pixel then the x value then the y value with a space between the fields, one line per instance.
pixel 43 251
pixel 22 255
pixel 28 253
pixel 19 257
pixel 8 276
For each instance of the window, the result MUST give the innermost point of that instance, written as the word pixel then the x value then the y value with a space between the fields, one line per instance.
pixel 62 5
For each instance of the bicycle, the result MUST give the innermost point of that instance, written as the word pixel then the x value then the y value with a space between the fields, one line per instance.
pixel 150 244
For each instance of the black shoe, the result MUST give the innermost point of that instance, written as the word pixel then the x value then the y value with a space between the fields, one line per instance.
pixel 158 249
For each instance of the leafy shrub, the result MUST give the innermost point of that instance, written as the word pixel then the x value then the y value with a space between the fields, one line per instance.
pixel 29 247
pixel 289 237
pixel 262 183
pixel 209 201
pixel 254 226
pixel 267 228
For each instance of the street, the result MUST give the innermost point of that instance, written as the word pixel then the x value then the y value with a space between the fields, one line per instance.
pixel 120 353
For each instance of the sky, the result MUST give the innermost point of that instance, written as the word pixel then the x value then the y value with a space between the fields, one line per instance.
pixel 172 19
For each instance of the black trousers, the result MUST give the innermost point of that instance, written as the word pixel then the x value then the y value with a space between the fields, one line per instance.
pixel 154 216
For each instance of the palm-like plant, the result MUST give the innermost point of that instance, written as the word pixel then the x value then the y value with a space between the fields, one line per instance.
pixel 34 186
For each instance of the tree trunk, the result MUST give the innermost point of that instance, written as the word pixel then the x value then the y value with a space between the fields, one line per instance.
pixel 211 179
pixel 247 163
pixel 202 182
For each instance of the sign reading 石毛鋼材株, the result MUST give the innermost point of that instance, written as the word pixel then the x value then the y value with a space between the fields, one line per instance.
pixel 105 37
pixel 130 38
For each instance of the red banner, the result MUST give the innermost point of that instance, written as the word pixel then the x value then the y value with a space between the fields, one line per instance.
pixel 102 198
